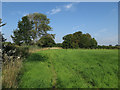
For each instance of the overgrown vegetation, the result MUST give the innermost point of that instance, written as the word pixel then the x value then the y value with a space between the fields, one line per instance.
pixel 12 63
pixel 14 51
pixel 12 56
pixel 10 71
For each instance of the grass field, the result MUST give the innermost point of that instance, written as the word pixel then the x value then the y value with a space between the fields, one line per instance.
pixel 71 68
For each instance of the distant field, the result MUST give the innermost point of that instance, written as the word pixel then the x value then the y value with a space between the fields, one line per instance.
pixel 71 68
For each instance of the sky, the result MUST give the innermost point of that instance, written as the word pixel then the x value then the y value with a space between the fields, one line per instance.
pixel 99 19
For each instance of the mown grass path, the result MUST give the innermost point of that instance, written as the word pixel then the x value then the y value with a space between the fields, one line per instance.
pixel 71 68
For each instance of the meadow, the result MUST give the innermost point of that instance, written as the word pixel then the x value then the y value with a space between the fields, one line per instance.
pixel 70 68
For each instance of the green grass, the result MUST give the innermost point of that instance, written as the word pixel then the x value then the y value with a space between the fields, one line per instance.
pixel 71 68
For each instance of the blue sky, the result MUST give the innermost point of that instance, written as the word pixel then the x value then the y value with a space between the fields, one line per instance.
pixel 100 19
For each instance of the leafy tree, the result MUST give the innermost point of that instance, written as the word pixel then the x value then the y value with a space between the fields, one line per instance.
pixel 86 40
pixel 67 43
pixel 40 25
pixel 79 40
pixel 93 43
pixel 23 33
pixel 46 41
pixel 58 45
pixel 3 39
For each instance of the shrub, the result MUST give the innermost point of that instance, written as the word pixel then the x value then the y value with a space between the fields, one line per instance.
pixel 107 47
pixel 14 51
pixel 12 63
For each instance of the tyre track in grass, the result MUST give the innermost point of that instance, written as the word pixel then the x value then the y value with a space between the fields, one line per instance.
pixel 54 76
pixel 54 82
pixel 51 65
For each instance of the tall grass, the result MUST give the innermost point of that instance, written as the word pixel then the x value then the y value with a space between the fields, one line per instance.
pixel 10 71
pixel 12 62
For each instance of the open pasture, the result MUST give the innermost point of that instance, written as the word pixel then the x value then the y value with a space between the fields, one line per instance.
pixel 71 68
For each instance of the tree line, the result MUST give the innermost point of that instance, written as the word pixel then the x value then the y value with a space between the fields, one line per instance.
pixel 33 30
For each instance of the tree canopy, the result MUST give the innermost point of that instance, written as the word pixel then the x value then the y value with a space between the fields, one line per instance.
pixel 2 39
pixel 31 28
pixel 40 25
pixel 1 23
pixel 23 33
pixel 46 41
pixel 79 40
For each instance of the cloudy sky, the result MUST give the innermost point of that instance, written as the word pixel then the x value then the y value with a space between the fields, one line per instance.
pixel 98 19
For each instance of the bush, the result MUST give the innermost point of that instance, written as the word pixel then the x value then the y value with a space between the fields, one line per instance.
pixel 22 50
pixel 14 51
pixel 12 63
pixel 107 47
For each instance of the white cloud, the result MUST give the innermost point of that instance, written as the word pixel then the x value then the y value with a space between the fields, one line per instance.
pixel 61 8
pixel 54 11
pixel 69 6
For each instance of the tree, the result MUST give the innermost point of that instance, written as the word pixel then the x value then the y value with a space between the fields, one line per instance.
pixel 93 43
pixel 17 38
pixel 40 25
pixel 46 41
pixel 79 40
pixel 2 41
pixel 2 38
pixel 1 23
pixel 24 32
pixel 58 45
pixel 67 43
